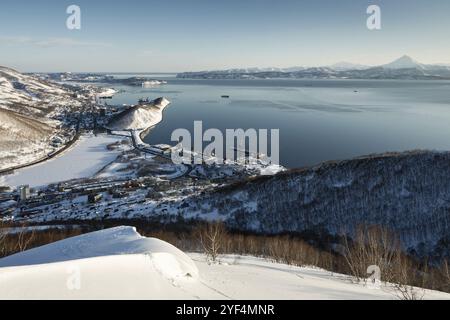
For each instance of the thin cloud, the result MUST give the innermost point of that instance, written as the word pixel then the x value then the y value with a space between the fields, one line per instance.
pixel 51 42
pixel 146 53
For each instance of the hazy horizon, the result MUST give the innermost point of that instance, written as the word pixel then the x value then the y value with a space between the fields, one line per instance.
pixel 199 70
pixel 175 36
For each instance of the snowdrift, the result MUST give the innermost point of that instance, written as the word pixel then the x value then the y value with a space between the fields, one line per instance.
pixel 114 241
pixel 108 264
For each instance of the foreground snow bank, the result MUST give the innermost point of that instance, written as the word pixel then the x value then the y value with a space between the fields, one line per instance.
pixel 118 263
pixel 108 242
pixel 107 264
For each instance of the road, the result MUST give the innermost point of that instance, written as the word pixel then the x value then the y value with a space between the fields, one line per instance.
pixel 138 145
pixel 46 158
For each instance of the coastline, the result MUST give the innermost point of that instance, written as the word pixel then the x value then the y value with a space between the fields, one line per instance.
pixel 143 133
pixel 81 160
pixel 59 152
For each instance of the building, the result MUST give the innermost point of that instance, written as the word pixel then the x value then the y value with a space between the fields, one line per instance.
pixel 24 192
pixel 93 198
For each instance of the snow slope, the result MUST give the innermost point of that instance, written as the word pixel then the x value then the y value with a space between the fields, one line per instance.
pixel 118 263
pixel 27 106
pixel 139 117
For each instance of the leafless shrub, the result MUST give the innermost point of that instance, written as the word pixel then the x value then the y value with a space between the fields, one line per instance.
pixel 2 239
pixel 377 246
pixel 25 237
pixel 443 276
pixel 211 237
pixel 373 245
pixel 404 277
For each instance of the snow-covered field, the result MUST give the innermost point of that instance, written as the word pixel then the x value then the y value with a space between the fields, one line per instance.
pixel 118 263
pixel 82 160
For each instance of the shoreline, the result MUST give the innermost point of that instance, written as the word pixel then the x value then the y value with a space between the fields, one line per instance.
pixel 141 133
pixel 59 152
pixel 81 160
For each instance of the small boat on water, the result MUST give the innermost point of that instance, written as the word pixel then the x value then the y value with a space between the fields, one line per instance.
pixel 225 96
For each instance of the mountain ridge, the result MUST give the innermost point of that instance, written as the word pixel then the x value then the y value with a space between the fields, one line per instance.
pixel 403 68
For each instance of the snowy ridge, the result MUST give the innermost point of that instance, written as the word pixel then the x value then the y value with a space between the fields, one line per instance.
pixel 27 90
pixel 114 241
pixel 140 117
pixel 407 192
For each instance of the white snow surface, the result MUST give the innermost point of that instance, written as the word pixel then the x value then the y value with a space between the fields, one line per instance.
pixel 82 160
pixel 106 93
pixel 118 263
pixel 139 117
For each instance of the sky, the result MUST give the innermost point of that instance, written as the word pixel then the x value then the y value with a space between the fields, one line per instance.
pixel 193 35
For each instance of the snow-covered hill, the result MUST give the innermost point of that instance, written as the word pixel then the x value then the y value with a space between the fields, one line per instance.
pixel 27 106
pixel 118 263
pixel 139 117
pixel 406 192
pixel 31 95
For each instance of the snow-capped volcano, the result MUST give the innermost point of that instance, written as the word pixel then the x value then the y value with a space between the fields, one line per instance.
pixel 404 62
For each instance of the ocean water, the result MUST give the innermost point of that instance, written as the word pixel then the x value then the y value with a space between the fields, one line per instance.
pixel 319 120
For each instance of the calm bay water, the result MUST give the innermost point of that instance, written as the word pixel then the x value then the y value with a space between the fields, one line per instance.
pixel 319 120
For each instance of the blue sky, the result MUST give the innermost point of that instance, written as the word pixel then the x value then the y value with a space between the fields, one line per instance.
pixel 185 35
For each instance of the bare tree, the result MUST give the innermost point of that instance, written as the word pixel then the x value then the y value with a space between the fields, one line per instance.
pixel 2 239
pixel 404 276
pixel 371 246
pixel 12 242
pixel 444 274
pixel 25 237
pixel 377 246
pixel 211 237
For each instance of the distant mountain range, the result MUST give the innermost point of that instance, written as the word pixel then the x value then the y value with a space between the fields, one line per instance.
pixel 404 68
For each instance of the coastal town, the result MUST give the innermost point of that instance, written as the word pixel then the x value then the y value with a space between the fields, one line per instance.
pixel 138 180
